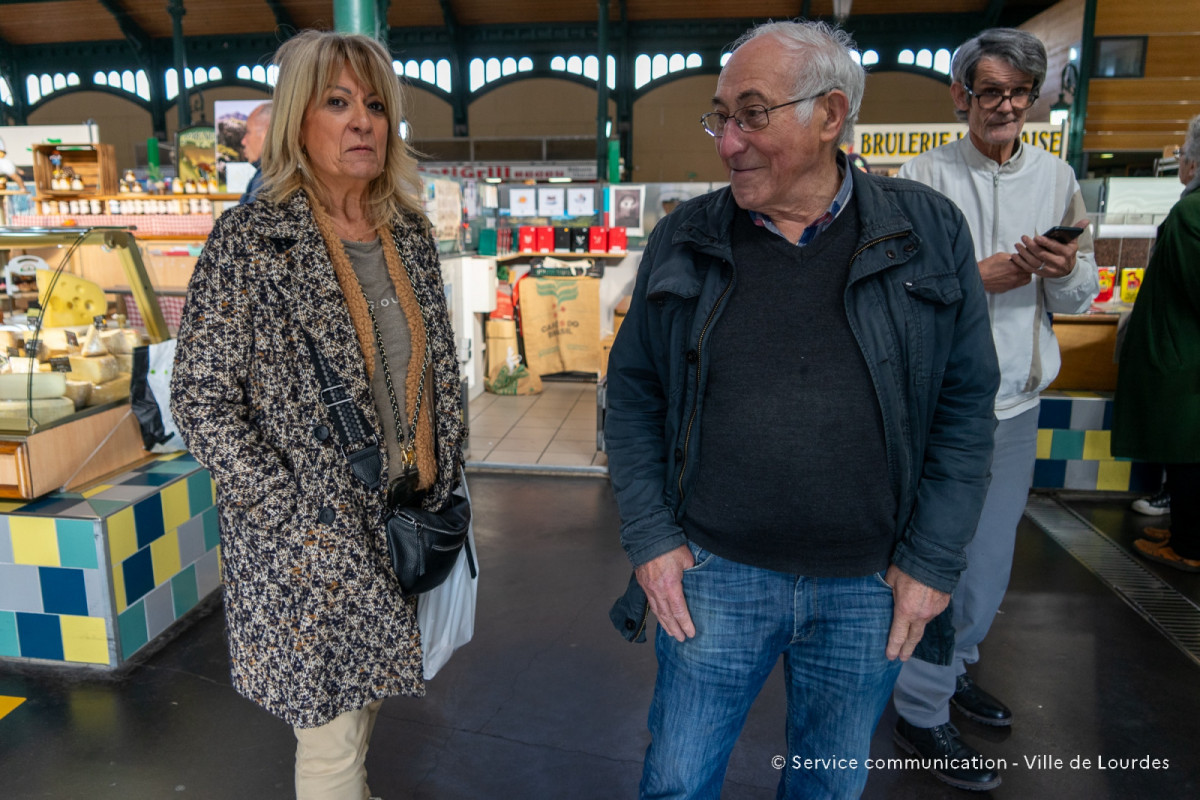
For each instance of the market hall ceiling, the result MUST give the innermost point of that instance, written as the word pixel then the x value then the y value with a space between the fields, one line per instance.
pixel 248 24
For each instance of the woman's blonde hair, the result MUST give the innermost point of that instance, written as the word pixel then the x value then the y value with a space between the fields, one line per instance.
pixel 308 63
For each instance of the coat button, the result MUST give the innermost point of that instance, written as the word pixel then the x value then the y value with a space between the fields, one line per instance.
pixel 691 356
pixel 630 624
pixel 891 254
pixel 326 516
pixel 908 248
pixel 321 432
pixel 679 454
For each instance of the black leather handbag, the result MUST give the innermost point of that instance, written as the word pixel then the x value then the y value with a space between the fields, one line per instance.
pixel 423 546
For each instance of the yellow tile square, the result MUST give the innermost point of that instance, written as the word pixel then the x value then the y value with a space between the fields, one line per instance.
pixel 122 536
pixel 164 554
pixel 84 639
pixel 34 541
pixel 95 490
pixel 118 576
pixel 1097 446
pixel 1113 476
pixel 7 704
pixel 1045 438
pixel 175 505
pixel 7 506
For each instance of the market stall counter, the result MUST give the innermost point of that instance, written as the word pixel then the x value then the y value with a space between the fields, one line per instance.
pixel 92 578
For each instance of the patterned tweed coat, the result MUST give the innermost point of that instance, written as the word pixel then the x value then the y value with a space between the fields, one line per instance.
pixel 317 625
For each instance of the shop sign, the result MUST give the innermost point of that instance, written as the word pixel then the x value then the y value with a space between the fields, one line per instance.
pixel 892 145
pixel 511 171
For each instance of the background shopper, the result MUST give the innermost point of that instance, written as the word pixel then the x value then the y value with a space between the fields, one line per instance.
pixel 799 425
pixel 1156 415
pixel 318 631
pixel 1010 194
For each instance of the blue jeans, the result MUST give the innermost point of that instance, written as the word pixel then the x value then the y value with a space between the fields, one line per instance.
pixel 832 633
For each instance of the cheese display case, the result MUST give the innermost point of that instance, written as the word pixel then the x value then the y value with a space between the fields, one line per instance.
pixel 66 364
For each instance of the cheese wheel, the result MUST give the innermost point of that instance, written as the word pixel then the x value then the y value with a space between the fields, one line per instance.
pixel 44 384
pixel 93 369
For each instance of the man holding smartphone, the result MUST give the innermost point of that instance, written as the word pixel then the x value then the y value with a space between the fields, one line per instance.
pixel 1011 194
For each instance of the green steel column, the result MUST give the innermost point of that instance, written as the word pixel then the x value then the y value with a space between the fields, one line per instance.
pixel 1087 49
pixel 355 16
pixel 602 91
pixel 176 10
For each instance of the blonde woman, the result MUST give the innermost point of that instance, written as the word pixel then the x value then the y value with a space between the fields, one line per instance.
pixel 335 251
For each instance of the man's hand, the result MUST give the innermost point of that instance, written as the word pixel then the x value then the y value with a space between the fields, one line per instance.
pixel 914 604
pixel 1046 257
pixel 1000 274
pixel 662 580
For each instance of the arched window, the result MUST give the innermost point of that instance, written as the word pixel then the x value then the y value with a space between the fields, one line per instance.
pixel 475 77
pixel 32 89
pixel 641 71
pixel 925 58
pixel 659 66
pixel 905 57
pixel 591 68
pixel 941 61
pixel 443 75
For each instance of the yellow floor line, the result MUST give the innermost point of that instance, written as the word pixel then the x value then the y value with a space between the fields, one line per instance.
pixel 7 704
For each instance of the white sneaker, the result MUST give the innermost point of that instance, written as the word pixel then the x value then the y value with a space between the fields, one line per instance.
pixel 1153 506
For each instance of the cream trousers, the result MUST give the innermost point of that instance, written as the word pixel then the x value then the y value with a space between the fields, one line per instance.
pixel 330 758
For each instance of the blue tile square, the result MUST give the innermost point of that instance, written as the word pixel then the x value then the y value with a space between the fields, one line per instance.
pixel 76 543
pixel 1049 474
pixel 139 575
pixel 10 645
pixel 147 479
pixel 148 517
pixel 49 505
pixel 1108 415
pixel 1055 413
pixel 63 591
pixel 131 625
pixel 40 636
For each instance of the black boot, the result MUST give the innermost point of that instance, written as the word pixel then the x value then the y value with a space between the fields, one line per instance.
pixel 978 705
pixel 950 759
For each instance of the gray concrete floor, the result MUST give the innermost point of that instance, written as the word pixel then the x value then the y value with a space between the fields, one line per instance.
pixel 549 702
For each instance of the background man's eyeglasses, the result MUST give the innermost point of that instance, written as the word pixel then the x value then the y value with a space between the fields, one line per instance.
pixel 747 118
pixel 1019 99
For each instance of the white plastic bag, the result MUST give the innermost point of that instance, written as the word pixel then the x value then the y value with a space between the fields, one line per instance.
pixel 446 614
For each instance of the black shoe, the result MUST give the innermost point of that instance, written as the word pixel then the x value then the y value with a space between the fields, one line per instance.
pixel 978 705
pixel 950 759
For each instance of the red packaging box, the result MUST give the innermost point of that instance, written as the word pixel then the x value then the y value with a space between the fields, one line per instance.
pixel 545 239
pixel 617 239
pixel 598 239
pixel 528 239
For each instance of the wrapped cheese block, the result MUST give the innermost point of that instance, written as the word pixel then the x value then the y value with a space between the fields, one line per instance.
pixel 43 384
pixel 93 369
pixel 78 392
pixel 45 410
pixel 110 391
pixel 65 338
pixel 122 340
pixel 92 344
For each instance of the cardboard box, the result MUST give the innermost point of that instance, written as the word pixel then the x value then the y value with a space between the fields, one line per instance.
pixel 598 239
pixel 527 239
pixel 545 239
pixel 617 239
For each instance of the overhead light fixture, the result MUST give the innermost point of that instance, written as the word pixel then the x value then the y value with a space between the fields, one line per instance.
pixel 841 9
pixel 1105 155
pixel 491 180
pixel 1060 112
pixel 559 179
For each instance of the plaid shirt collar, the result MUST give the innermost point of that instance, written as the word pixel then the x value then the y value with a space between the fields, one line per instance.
pixel 825 220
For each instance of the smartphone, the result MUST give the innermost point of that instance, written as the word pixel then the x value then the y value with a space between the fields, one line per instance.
pixel 1063 233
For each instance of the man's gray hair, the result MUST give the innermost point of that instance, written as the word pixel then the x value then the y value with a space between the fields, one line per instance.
pixel 1191 143
pixel 822 62
pixel 1022 51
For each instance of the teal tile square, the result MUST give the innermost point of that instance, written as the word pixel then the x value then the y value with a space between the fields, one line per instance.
pixel 199 492
pixel 1067 445
pixel 183 590
pixel 106 508
pixel 212 530
pixel 132 625
pixel 9 644
pixel 171 467
pixel 76 543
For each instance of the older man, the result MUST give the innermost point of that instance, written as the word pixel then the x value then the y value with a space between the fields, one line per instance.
pixel 1010 194
pixel 255 134
pixel 799 428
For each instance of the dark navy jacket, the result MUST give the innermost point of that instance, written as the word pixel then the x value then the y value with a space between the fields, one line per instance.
pixel 916 305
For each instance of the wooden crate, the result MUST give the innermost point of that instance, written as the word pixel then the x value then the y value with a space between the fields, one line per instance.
pixel 95 164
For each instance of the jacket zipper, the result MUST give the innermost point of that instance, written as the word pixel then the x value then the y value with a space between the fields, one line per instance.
pixel 692 419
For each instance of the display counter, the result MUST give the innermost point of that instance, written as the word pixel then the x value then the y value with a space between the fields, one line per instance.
pixel 91 578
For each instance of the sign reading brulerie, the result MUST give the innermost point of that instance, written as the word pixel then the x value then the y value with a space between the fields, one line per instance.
pixel 892 145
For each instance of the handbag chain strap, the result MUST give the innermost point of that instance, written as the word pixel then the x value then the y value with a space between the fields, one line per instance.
pixel 407 448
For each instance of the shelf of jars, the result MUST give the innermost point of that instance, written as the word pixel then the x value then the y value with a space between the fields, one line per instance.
pixel 150 214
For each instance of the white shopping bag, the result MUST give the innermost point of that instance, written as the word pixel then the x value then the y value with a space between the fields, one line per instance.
pixel 446 614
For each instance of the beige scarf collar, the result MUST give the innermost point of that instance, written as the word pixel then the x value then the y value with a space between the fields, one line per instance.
pixel 356 302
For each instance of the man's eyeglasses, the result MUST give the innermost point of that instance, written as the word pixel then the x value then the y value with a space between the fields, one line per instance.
pixel 747 118
pixel 989 99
